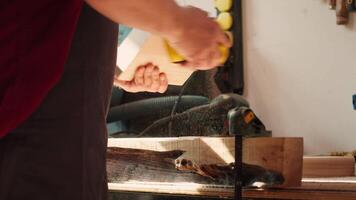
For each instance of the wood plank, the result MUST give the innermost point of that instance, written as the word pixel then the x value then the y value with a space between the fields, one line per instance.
pixel 173 189
pixel 301 194
pixel 328 166
pixel 154 51
pixel 327 183
pixel 126 165
pixel 280 154
pixel 326 188
pixel 316 192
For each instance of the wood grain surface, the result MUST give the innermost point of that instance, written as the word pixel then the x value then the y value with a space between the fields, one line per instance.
pixel 279 154
pixel 328 166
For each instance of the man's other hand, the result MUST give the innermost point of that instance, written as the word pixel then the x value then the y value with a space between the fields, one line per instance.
pixel 147 78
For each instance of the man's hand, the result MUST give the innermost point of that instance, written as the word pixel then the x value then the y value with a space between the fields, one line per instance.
pixel 197 38
pixel 147 78
pixel 189 30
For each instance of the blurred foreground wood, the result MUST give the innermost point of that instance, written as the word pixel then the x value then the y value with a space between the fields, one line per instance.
pixel 277 153
pixel 284 155
pixel 311 189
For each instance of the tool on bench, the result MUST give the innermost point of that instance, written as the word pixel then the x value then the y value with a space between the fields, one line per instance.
pixel 210 119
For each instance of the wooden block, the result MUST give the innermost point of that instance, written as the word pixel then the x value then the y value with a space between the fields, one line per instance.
pixel 280 154
pixel 300 194
pixel 151 50
pixel 328 166
pixel 201 150
pixel 327 189
pixel 347 183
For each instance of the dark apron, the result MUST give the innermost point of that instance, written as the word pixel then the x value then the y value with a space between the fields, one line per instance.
pixel 59 152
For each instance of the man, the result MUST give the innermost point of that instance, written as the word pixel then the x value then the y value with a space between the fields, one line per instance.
pixel 57 62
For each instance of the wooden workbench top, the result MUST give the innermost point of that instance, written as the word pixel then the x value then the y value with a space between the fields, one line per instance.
pixel 343 188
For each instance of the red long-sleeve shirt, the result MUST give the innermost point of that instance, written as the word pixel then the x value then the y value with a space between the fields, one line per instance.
pixel 35 37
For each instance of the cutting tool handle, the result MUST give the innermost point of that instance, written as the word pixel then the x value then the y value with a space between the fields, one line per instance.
pixel 175 57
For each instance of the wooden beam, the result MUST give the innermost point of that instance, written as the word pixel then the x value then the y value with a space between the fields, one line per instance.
pixel 300 194
pixel 328 166
pixel 308 191
pixel 280 154
pixel 330 183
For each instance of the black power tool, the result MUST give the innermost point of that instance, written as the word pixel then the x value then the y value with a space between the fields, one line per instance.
pixel 211 119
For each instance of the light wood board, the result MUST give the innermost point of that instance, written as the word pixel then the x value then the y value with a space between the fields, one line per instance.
pixel 280 154
pixel 330 183
pixel 154 51
pixel 311 189
pixel 328 166
pixel 301 194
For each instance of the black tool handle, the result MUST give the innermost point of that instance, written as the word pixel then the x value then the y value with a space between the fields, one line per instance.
pixel 234 117
pixel 238 167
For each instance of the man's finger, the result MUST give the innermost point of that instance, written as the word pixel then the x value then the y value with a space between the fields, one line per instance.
pixel 163 83
pixel 214 59
pixel 155 80
pixel 148 75
pixel 224 39
pixel 139 75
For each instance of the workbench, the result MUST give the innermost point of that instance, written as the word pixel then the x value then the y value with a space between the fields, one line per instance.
pixel 283 154
pixel 312 188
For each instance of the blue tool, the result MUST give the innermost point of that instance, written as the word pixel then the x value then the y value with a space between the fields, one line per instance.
pixel 354 101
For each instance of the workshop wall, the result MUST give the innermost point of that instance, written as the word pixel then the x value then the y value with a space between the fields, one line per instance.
pixel 301 71
pixel 207 5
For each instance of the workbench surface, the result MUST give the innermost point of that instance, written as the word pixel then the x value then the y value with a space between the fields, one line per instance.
pixel 343 188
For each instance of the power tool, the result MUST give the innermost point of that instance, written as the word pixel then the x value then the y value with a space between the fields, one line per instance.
pixel 210 119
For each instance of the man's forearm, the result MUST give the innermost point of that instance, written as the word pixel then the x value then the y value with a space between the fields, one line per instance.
pixel 189 30
pixel 156 16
